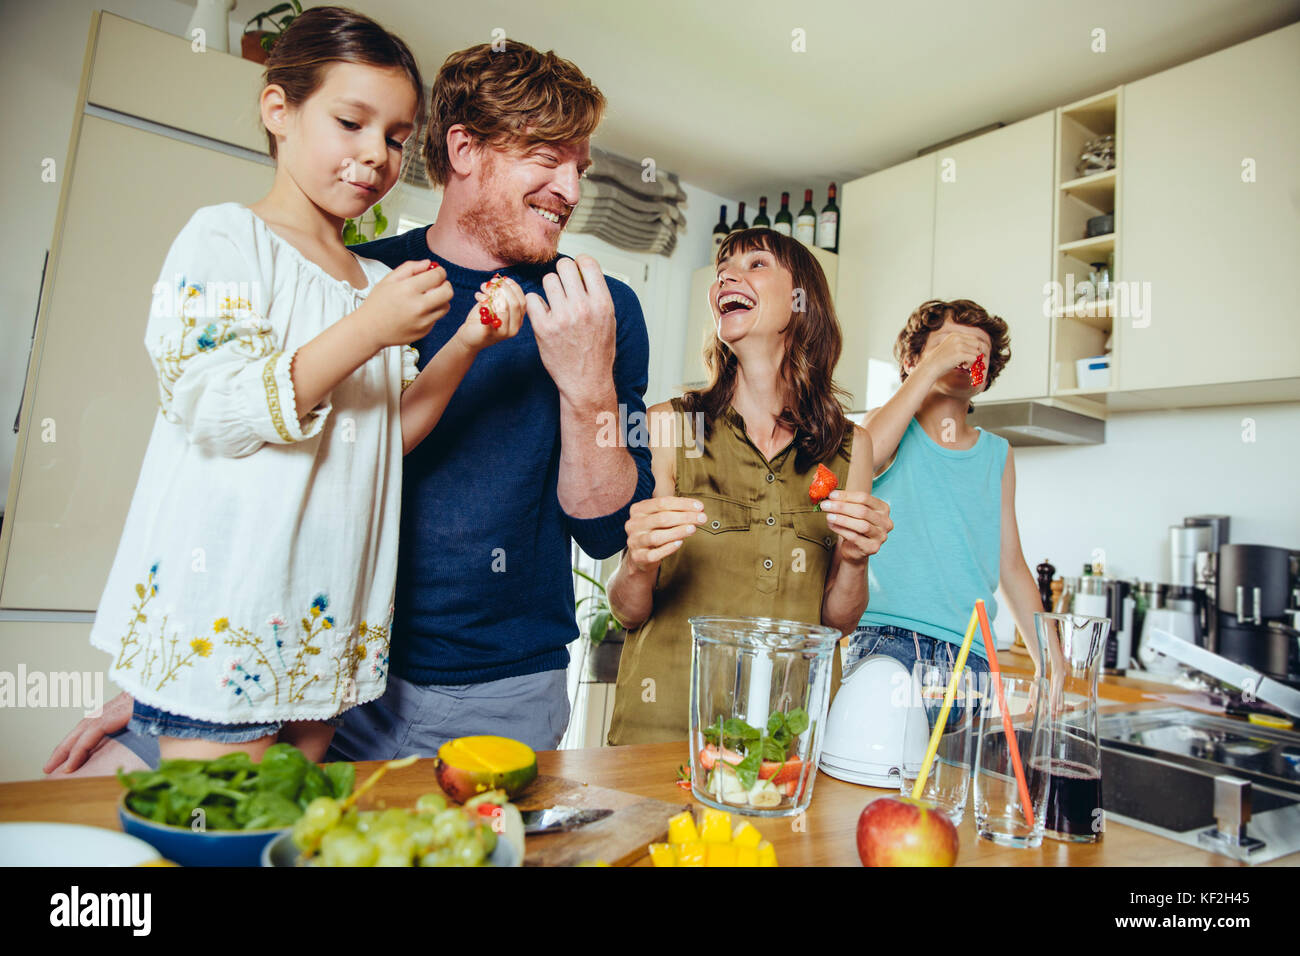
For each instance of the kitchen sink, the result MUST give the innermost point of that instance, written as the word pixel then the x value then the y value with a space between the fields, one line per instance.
pixel 1158 770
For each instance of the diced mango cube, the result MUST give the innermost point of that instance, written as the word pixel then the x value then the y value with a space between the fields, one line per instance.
pixel 691 854
pixel 746 856
pixel 661 854
pixel 766 854
pixel 747 835
pixel 681 828
pixel 722 854
pixel 716 827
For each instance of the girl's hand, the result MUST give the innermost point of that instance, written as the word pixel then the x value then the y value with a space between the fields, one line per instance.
pixel 861 521
pixel 957 349
pixel 497 314
pixel 656 527
pixel 406 303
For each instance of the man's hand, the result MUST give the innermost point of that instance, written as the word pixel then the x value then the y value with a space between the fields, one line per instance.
pixel 575 331
pixel 87 735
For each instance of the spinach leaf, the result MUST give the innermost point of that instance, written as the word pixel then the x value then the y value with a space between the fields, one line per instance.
pixel 342 778
pixel 773 749
pixel 797 720
pixel 747 769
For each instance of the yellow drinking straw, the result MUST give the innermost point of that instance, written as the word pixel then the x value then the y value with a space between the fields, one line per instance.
pixel 933 748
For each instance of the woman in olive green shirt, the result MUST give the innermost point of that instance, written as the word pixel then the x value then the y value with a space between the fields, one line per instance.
pixel 731 529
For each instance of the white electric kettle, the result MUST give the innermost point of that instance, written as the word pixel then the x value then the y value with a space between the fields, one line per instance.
pixel 875 724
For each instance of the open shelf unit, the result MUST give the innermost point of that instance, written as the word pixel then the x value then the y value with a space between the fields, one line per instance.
pixel 1082 322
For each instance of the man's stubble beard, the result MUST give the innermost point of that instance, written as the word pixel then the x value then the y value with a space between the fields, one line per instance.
pixel 493 224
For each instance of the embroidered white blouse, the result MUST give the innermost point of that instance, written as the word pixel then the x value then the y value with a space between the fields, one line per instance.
pixel 254 578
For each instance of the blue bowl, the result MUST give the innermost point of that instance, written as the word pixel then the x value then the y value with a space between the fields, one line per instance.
pixel 198 847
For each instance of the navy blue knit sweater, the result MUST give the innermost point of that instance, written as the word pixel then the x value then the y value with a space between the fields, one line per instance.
pixel 484 588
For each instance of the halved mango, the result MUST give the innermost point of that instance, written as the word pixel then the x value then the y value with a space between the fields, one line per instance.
pixel 471 765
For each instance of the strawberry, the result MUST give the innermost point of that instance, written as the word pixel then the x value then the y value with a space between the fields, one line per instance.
pixel 824 482
pixel 780 773
pixel 710 754
pixel 977 370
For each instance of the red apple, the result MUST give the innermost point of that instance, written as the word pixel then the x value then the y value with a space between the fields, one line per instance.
pixel 900 831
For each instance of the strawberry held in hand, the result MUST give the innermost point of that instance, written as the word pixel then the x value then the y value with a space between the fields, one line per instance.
pixel 824 482
pixel 977 370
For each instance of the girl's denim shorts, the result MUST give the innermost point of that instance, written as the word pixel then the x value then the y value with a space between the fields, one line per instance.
pixel 153 722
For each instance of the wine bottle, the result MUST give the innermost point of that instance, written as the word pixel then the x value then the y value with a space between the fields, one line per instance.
pixel 784 221
pixel 761 220
pixel 720 230
pixel 805 226
pixel 828 224
pixel 740 220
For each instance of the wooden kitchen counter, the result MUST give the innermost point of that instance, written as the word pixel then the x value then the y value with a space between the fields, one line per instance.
pixel 826 836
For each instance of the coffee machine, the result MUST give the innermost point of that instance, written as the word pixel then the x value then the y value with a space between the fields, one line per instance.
pixel 1193 563
pixel 1258 587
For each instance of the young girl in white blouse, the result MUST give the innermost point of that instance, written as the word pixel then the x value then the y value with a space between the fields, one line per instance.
pixel 251 595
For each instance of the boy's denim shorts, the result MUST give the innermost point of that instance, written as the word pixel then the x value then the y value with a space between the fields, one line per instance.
pixel 152 722
pixel 909 648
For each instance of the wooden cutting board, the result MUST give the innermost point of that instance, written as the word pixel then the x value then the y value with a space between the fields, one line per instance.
pixel 619 839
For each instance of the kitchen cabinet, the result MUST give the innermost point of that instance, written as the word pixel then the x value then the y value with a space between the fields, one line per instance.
pixel 91 393
pixel 1211 218
pixel 699 317
pixel 887 248
pixel 992 240
pixel 972 221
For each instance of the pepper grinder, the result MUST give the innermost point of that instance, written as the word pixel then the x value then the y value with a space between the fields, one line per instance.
pixel 1046 572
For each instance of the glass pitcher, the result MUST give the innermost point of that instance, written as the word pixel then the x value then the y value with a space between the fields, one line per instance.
pixel 760 688
pixel 1072 646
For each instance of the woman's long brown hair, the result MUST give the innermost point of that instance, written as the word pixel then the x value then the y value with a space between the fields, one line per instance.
pixel 815 406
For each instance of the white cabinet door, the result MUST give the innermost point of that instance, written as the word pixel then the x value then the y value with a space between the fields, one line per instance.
pixel 95 392
pixel 1211 217
pixel 885 261
pixel 993 240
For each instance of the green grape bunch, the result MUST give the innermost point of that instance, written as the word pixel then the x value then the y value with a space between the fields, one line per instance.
pixel 431 834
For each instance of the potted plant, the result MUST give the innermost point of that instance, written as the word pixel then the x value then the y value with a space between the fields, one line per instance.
pixel 352 233
pixel 603 630
pixel 256 42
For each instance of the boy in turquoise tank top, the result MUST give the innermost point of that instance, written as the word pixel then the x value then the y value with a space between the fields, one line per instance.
pixel 951 490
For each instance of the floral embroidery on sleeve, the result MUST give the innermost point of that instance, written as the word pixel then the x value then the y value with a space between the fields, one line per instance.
pixel 208 321
pixel 410 370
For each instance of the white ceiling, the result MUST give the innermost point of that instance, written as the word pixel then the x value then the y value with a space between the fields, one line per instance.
pixel 712 91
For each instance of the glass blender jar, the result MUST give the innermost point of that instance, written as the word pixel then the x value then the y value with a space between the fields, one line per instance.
pixel 760 688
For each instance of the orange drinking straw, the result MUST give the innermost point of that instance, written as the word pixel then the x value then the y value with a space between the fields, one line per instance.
pixel 942 722
pixel 1014 747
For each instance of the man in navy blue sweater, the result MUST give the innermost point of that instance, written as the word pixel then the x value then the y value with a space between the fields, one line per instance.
pixel 517 464
pixel 520 460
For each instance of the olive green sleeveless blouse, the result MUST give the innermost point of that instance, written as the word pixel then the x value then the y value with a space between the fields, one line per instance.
pixel 764 551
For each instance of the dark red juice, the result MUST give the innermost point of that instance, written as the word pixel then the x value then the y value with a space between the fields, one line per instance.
pixel 1073 799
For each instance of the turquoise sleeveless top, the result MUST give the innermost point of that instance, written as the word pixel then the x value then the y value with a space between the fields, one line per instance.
pixel 944 551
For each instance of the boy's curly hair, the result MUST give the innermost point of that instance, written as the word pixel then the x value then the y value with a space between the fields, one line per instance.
pixel 930 315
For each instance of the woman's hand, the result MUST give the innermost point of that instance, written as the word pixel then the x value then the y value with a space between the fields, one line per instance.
pixel 504 301
pixel 861 521
pixel 656 527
